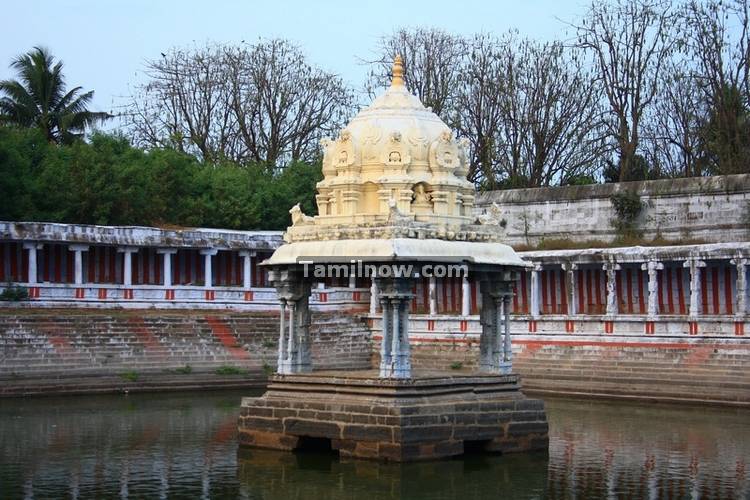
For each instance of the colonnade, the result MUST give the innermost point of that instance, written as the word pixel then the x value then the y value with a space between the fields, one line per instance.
pixel 394 296
pixel 127 252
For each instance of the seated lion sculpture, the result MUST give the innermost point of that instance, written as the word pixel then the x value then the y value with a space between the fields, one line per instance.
pixel 298 217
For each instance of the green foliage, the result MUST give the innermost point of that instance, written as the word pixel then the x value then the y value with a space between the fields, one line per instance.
pixel 457 365
pixel 268 344
pixel 578 180
pixel 130 376
pixel 628 206
pixel 184 370
pixel 639 170
pixel 725 134
pixel 108 181
pixel 40 100
pixel 14 293
pixel 230 370
pixel 268 369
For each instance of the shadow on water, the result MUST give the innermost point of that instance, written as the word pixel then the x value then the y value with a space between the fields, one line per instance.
pixel 277 475
pixel 185 446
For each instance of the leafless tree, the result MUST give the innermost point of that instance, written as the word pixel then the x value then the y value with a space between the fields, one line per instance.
pixel 284 106
pixel 718 43
pixel 479 108
pixel 531 113
pixel 557 111
pixel 185 104
pixel 432 58
pixel 630 42
pixel 672 128
pixel 262 103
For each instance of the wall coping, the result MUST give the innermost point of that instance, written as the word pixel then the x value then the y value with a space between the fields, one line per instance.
pixel 140 236
pixel 639 254
pixel 720 184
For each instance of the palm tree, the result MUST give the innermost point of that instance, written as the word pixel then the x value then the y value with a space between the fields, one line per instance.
pixel 39 99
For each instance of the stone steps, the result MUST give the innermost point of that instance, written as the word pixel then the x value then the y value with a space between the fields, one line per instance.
pixel 709 368
pixel 60 344
pixel 739 384
pixel 154 382
pixel 663 392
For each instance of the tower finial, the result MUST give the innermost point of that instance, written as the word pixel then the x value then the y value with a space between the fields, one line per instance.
pixel 398 72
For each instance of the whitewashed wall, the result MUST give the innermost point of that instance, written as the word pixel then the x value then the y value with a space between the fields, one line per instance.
pixel 711 209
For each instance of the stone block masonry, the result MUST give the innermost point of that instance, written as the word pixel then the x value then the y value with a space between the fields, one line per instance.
pixel 711 209
pixel 670 364
pixel 434 415
pixel 96 351
pixel 56 351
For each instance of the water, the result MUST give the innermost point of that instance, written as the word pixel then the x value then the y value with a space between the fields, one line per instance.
pixel 184 446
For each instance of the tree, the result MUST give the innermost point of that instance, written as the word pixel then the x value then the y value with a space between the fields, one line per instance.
pixel 116 183
pixel 283 105
pixel 718 41
pixel 479 109
pixel 672 129
pixel 530 111
pixel 259 104
pixel 629 42
pixel 39 98
pixel 725 134
pixel 186 105
pixel 432 61
pixel 553 107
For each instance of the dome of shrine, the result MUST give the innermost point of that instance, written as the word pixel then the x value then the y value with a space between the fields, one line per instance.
pixel 395 171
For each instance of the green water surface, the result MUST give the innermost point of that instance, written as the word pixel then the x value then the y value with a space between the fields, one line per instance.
pixel 184 446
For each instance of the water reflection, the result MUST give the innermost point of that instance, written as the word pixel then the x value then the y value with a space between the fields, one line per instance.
pixel 605 449
pixel 277 475
pixel 184 445
pixel 145 446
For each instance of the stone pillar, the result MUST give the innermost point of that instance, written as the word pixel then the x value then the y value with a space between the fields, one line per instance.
pixel 207 271
pixel 78 262
pixel 247 268
pixel 695 266
pixel 465 297
pixel 494 341
pixel 294 328
pixel 741 285
pixel 433 296
pixel 570 287
pixel 611 269
pixel 535 292
pixel 653 268
pixel 395 351
pixel 374 298
pixel 506 366
pixel 385 343
pixel 32 269
pixel 282 335
pixel 127 264
pixel 167 264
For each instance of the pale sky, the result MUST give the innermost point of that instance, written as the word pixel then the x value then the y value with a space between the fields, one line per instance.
pixel 104 43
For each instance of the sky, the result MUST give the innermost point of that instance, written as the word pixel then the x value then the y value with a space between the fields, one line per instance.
pixel 105 43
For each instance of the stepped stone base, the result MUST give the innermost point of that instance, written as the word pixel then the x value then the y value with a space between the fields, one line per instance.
pixel 434 415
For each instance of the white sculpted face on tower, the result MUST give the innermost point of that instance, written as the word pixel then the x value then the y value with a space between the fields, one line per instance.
pixel 394 155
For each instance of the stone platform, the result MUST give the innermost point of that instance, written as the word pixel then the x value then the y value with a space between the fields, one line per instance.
pixel 433 415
